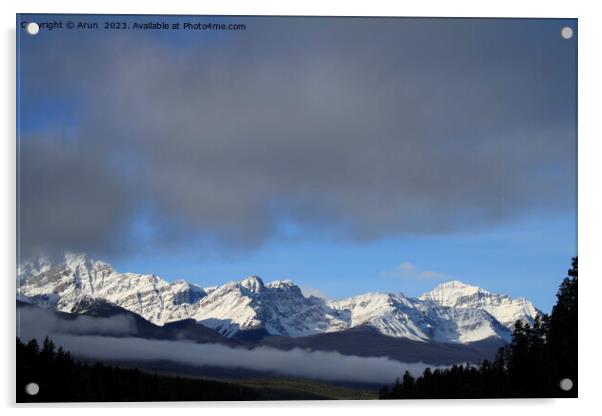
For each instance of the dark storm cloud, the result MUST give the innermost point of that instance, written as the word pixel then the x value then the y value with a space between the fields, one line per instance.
pixel 68 197
pixel 367 128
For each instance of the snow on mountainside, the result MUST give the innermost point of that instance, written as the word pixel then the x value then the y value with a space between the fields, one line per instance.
pixel 459 295
pixel 452 312
pixel 79 276
pixel 279 308
pixel 392 314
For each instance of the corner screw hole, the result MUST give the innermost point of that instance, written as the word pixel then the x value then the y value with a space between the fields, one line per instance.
pixel 566 32
pixel 32 28
pixel 32 389
pixel 566 384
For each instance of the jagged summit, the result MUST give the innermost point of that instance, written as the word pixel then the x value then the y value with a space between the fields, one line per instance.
pixel 460 295
pixel 77 259
pixel 71 261
pixel 281 283
pixel 448 293
pixel 451 312
pixel 253 283
pixel 456 284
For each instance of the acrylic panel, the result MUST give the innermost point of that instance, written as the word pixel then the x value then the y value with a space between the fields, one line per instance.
pixel 295 208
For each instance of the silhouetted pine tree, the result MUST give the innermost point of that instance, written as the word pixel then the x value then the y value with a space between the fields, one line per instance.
pixel 562 334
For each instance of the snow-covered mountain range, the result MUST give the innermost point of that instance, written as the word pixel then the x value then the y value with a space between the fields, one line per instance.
pixel 451 312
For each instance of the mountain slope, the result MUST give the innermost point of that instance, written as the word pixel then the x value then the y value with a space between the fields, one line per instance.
pixel 451 313
pixel 279 308
pixel 78 277
pixel 504 309
pixel 366 341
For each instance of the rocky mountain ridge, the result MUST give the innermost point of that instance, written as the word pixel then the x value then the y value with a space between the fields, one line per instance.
pixel 452 312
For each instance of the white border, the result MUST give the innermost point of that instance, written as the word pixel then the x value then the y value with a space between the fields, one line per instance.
pixel 590 207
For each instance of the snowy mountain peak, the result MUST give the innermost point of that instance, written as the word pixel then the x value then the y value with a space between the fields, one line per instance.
pixel 281 284
pixel 253 283
pixel 449 293
pixel 34 267
pixel 451 312
pixel 82 262
pixel 77 258
pixel 503 308
pixel 456 284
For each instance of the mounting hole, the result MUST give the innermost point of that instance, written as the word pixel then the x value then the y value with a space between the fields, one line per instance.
pixel 566 384
pixel 32 28
pixel 566 32
pixel 32 389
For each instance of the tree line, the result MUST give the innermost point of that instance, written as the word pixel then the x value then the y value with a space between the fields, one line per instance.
pixel 61 378
pixel 532 365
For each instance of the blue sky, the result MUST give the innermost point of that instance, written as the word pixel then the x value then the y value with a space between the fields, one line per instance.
pixel 349 155
pixel 527 258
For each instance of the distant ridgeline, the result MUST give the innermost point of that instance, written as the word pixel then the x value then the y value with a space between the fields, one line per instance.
pixel 532 365
pixel 453 312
